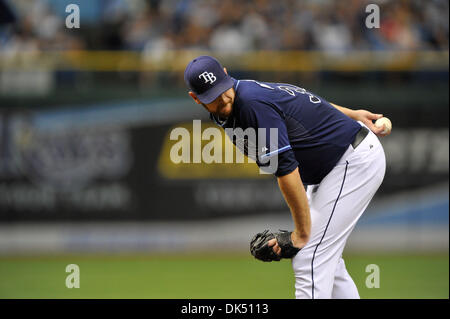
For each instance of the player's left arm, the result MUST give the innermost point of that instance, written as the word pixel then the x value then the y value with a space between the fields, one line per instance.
pixel 294 193
pixel 364 116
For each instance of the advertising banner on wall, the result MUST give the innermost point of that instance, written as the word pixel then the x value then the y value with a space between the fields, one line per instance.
pixel 163 171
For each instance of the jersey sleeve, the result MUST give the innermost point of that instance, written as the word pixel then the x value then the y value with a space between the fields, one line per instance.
pixel 266 119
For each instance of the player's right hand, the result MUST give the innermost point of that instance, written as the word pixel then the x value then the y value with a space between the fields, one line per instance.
pixel 367 117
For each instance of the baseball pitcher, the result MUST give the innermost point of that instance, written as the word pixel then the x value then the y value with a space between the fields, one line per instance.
pixel 330 163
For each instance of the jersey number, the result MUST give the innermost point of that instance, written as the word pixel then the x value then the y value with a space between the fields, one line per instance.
pixel 291 89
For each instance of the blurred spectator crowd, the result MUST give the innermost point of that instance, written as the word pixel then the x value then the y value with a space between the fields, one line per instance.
pixel 225 25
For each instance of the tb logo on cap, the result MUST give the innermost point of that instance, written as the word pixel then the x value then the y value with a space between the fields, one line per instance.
pixel 208 77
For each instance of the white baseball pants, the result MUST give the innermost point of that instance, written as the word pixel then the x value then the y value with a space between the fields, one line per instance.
pixel 335 206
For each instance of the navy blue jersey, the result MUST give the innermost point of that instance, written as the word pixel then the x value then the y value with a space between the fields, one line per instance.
pixel 312 134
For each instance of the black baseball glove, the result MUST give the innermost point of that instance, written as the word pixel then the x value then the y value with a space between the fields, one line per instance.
pixel 260 249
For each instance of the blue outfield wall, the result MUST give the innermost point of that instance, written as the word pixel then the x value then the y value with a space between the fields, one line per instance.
pixel 425 210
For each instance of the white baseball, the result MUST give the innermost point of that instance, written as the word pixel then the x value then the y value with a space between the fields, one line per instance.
pixel 387 124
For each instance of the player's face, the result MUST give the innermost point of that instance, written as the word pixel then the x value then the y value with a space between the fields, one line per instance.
pixel 223 105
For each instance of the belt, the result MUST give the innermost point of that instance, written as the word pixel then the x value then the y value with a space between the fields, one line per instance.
pixel 360 136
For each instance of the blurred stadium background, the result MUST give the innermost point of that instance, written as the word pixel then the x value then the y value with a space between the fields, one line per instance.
pixel 85 118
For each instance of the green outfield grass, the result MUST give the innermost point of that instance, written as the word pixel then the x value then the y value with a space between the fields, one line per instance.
pixel 208 276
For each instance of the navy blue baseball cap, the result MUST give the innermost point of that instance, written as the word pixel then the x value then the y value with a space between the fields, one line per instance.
pixel 206 78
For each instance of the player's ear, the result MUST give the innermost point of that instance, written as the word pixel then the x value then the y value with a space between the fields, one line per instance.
pixel 225 69
pixel 192 94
